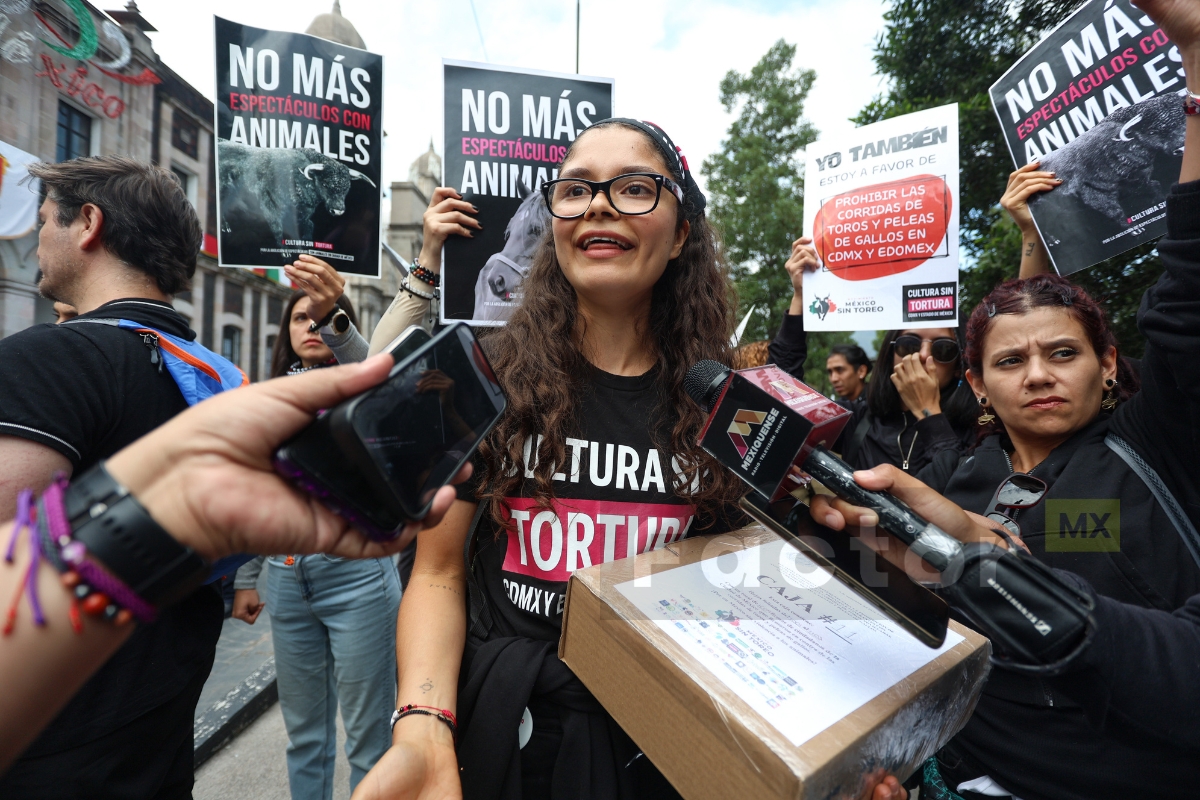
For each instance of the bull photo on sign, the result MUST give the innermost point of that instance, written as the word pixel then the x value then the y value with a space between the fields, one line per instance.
pixel 282 190
pixel 1127 162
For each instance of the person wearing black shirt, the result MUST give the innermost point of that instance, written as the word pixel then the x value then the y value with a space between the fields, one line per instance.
pixel 118 238
pixel 595 459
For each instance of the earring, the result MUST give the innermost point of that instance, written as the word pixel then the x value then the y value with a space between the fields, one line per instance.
pixel 1110 397
pixel 986 416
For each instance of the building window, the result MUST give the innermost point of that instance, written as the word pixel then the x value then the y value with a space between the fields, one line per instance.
pixel 270 350
pixel 231 343
pixel 235 295
pixel 185 134
pixel 187 181
pixel 74 133
pixel 185 296
pixel 274 310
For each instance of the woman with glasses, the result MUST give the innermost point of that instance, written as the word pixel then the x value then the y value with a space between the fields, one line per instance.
pixel 1101 482
pixel 595 459
pixel 916 405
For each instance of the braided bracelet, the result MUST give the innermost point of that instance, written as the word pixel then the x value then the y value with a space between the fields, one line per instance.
pixel 425 275
pixel 93 588
pixel 444 714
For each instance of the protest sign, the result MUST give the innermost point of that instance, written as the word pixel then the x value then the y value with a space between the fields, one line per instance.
pixel 507 131
pixel 18 196
pixel 299 150
pixel 1096 101
pixel 881 204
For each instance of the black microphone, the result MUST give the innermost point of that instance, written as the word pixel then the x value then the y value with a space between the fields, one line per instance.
pixel 766 427
pixel 764 424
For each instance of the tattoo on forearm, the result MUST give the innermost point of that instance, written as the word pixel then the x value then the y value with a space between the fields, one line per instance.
pixel 426 686
pixel 444 586
pixel 1029 249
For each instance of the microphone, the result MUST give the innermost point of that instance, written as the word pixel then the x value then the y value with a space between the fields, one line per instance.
pixel 767 427
pixel 771 431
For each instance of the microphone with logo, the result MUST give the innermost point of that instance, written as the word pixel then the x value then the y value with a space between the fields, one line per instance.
pixel 772 431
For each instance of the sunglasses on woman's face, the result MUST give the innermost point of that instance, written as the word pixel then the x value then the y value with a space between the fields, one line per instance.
pixel 943 350
pixel 1017 491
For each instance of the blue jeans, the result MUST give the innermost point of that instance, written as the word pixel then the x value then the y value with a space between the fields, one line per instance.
pixel 334 626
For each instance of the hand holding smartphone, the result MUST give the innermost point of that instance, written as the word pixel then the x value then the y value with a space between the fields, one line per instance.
pixel 378 459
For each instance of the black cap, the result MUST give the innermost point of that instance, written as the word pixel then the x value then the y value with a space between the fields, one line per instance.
pixel 704 382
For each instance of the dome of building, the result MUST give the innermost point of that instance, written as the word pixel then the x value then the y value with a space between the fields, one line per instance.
pixel 336 28
pixel 426 171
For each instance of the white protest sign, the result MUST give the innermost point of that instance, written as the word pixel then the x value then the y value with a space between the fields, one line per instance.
pixel 881 204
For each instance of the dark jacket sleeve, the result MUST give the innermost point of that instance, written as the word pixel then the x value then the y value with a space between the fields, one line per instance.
pixel 789 349
pixel 1161 420
pixel 1140 670
pixel 936 474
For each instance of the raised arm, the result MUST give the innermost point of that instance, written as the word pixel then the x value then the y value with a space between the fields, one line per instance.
pixel 448 214
pixel 431 632
pixel 1022 185
pixel 789 349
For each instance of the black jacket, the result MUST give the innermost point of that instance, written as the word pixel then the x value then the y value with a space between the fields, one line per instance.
pixel 1123 721
pixel 902 440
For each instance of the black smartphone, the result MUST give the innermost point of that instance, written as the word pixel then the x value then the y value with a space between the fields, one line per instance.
pixel 378 458
pixel 313 461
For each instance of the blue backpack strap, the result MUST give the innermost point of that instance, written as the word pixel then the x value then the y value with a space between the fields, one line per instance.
pixel 199 372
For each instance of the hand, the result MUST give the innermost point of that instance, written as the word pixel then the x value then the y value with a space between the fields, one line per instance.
pixel 1179 20
pixel 833 512
pixel 918 385
pixel 420 765
pixel 320 282
pixel 883 786
pixel 447 214
pixel 803 259
pixel 1022 185
pixel 207 477
pixel 246 605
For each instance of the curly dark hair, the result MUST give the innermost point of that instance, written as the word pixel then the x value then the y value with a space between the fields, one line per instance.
pixel 1020 296
pixel 538 359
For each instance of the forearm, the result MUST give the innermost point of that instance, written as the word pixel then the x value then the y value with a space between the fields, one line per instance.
pixel 349 347
pixel 405 311
pixel 1035 260
pixel 42 667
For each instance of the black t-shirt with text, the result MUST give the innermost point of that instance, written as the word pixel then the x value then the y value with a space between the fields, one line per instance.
pixel 614 498
pixel 87 390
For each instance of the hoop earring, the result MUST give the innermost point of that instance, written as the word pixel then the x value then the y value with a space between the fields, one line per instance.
pixel 1110 397
pixel 987 416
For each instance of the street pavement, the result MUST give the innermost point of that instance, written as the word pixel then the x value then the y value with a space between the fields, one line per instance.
pixel 254 765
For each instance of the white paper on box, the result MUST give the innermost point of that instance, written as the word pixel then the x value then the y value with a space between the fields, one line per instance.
pixel 881 204
pixel 801 648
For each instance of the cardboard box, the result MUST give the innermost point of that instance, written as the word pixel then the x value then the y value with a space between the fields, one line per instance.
pixel 714 732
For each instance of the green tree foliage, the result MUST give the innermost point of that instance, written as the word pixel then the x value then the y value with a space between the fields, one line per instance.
pixel 935 52
pixel 754 182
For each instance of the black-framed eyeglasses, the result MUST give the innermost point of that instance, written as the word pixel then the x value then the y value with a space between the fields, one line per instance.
pixel 631 195
pixel 944 350
pixel 1015 492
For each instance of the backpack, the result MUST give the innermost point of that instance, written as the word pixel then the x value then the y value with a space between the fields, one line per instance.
pixel 198 372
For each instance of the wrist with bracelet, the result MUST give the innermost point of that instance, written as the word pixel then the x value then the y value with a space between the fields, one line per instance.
pixel 111 555
pixel 425 275
pixel 445 715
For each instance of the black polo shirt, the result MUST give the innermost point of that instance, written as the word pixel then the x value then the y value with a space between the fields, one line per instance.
pixel 87 390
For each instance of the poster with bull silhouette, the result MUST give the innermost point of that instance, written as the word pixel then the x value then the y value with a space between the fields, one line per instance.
pixel 1097 102
pixel 299 146
pixel 881 205
pixel 506 131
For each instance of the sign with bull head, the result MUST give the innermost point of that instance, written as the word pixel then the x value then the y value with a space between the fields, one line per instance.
pixel 507 130
pixel 881 206
pixel 1096 102
pixel 299 147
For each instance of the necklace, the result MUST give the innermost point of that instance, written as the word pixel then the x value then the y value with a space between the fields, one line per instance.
pixel 911 444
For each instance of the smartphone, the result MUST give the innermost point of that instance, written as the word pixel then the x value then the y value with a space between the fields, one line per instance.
pixel 313 461
pixel 378 459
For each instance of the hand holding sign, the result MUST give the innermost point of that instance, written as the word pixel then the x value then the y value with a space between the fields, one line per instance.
pixel 447 214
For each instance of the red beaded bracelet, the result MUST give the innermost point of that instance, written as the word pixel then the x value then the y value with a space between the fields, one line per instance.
pixel 444 714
